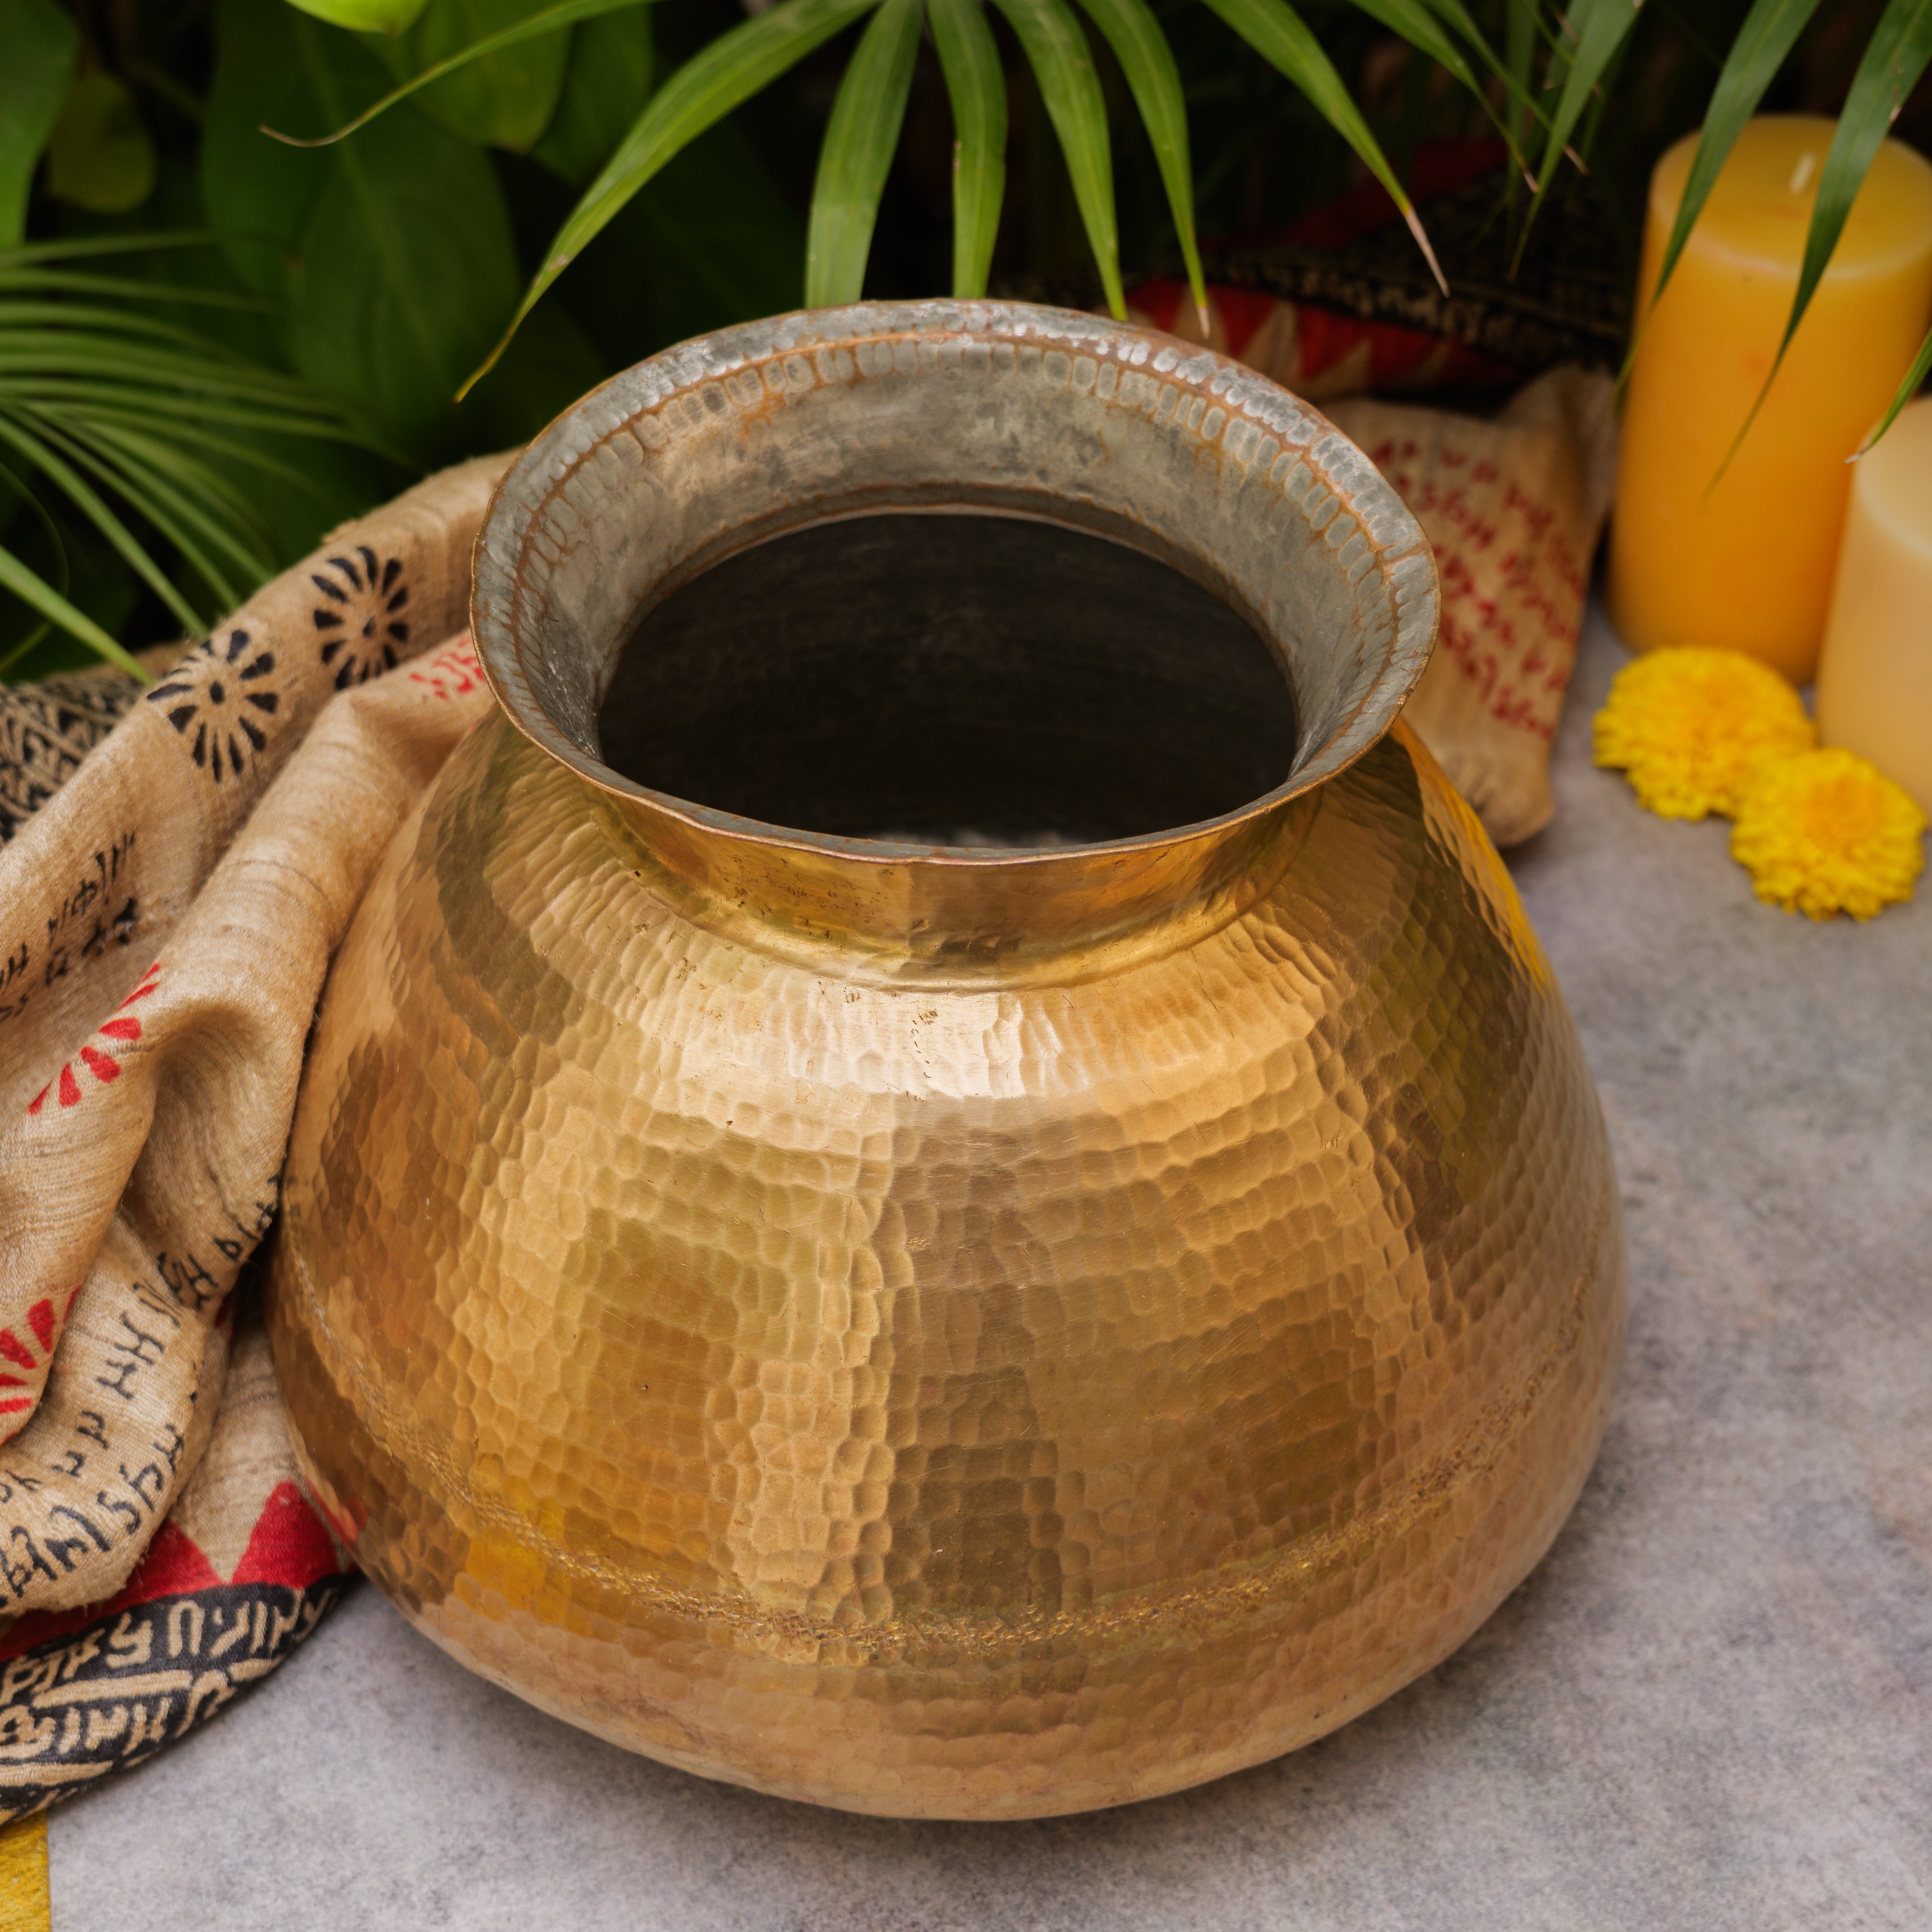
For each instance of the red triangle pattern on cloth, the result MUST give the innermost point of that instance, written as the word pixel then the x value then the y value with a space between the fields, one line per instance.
pixel 288 1546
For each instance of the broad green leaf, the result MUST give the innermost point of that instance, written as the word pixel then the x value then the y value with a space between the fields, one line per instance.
pixel 977 87
pixel 1148 61
pixel 364 16
pixel 612 68
pixel 549 366
pixel 1921 366
pixel 392 252
pixel 859 141
pixel 733 68
pixel 1599 27
pixel 549 20
pixel 407 271
pixel 1766 37
pixel 1063 63
pixel 712 240
pixel 259 193
pixel 42 46
pixel 498 99
pixel 1279 35
pixel 32 589
pixel 100 157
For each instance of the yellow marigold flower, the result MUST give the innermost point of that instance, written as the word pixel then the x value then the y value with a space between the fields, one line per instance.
pixel 1827 831
pixel 1691 727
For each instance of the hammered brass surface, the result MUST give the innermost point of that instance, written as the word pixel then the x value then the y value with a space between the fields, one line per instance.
pixel 1046 1383
pixel 1056 1397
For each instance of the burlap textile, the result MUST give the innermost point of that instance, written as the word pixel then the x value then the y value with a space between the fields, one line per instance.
pixel 166 920
pixel 1512 505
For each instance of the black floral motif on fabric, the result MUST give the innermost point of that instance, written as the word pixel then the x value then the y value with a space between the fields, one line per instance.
pixel 217 692
pixel 361 630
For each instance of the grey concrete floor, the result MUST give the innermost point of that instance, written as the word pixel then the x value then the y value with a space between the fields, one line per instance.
pixel 1711 1707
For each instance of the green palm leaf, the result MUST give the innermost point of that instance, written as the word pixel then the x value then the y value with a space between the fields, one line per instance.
pixel 1899 50
pixel 111 406
pixel 1279 35
pixel 1520 37
pixel 1148 61
pixel 35 591
pixel 170 510
pixel 977 90
pixel 1599 27
pixel 1063 63
pixel 561 15
pixel 1766 37
pixel 94 507
pixel 1922 365
pixel 1420 24
pixel 733 68
pixel 859 141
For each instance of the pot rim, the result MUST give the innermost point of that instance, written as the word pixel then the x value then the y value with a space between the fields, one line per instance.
pixel 550 457
pixel 727 440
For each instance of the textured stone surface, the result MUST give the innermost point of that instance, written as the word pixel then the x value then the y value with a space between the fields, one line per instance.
pixel 1707 1709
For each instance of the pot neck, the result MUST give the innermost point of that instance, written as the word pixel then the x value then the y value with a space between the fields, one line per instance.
pixel 728 442
pixel 950 917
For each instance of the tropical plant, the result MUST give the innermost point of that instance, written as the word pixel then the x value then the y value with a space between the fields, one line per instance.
pixel 105 402
pixel 548 189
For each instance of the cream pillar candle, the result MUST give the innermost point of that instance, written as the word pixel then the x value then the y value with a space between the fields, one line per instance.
pixel 1748 565
pixel 1875 674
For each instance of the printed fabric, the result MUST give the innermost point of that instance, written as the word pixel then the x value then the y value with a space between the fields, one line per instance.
pixel 169 899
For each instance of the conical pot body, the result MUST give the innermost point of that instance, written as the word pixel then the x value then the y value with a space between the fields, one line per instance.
pixel 939 1329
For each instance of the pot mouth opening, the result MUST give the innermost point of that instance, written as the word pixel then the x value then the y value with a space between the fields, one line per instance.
pixel 957 678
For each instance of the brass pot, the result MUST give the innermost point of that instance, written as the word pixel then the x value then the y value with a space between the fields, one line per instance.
pixel 937 1328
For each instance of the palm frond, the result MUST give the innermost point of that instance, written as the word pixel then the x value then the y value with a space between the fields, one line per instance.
pixel 1062 64
pixel 976 88
pixel 114 409
pixel 857 152
pixel 731 69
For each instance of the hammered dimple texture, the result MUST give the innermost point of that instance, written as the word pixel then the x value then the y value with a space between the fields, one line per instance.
pixel 975 1403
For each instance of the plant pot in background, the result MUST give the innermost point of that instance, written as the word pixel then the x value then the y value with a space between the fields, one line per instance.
pixel 941 1175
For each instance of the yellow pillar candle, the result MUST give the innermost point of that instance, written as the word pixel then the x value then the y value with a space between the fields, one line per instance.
pixel 1875 674
pixel 1748 565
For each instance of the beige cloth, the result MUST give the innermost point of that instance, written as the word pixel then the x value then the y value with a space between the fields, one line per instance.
pixel 167 921
pixel 1514 506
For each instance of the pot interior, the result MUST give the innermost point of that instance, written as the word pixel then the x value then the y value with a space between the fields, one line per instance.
pixel 953 678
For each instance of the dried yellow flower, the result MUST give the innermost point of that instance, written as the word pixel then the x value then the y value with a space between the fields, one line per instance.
pixel 1827 831
pixel 1691 727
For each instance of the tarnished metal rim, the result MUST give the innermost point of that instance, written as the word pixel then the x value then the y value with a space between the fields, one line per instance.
pixel 1270 433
